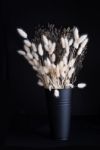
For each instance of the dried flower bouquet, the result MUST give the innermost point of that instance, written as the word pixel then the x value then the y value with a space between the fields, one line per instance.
pixel 56 55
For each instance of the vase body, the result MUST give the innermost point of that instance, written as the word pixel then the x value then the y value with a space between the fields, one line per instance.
pixel 59 112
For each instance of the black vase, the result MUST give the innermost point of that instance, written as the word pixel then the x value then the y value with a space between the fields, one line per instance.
pixel 59 112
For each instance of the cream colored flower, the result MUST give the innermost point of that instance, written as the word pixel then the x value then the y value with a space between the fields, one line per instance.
pixel 34 47
pixel 27 49
pixel 71 71
pixel 82 47
pixel 76 34
pixel 56 93
pixel 35 55
pixel 46 69
pixel 21 52
pixel 36 63
pixel 82 38
pixel 53 57
pixel 81 85
pixel 29 55
pixel 63 42
pixel 47 62
pixel 40 49
pixel 71 62
pixel 70 42
pixel 50 87
pixel 76 37
pixel 22 33
pixel 45 40
pixel 53 48
pixel 27 43
pixel 49 45
pixel 64 60
pixel 66 46
pixel 46 47
pixel 40 83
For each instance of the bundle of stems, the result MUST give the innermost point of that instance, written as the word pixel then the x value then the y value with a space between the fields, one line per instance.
pixel 56 55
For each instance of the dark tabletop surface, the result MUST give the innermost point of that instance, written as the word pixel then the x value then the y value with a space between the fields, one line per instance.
pixel 27 132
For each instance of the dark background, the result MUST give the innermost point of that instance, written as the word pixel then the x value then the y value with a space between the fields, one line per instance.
pixel 21 94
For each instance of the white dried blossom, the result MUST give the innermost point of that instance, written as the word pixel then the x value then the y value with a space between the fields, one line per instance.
pixel 76 34
pixel 70 42
pixel 29 55
pixel 34 47
pixel 49 45
pixel 40 83
pixel 30 62
pixel 53 58
pixel 46 47
pixel 71 85
pixel 21 52
pixel 41 70
pixel 71 62
pixel 76 37
pixel 50 87
pixel 27 43
pixel 84 43
pixel 40 49
pixel 82 47
pixel 47 62
pixel 35 68
pixel 52 48
pixel 81 85
pixel 66 46
pixel 71 71
pixel 56 93
pixel 36 63
pixel 61 64
pixel 63 42
pixel 46 69
pixel 22 33
pixel 35 55
pixel 27 49
pixel 82 38
pixel 45 40
pixel 53 66
pixel 64 60
pixel 57 71
pixel 76 44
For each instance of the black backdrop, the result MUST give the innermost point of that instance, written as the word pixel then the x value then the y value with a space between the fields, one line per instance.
pixel 23 94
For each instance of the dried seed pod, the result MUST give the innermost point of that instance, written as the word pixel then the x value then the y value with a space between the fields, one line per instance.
pixel 76 33
pixel 40 83
pixel 52 48
pixel 53 58
pixel 21 52
pixel 82 38
pixel 81 85
pixel 56 93
pixel 63 42
pixel 71 62
pixel 27 49
pixel 27 43
pixel 22 33
pixel 70 42
pixel 45 40
pixel 34 47
pixel 71 71
pixel 82 47
pixel 40 49
pixel 29 55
